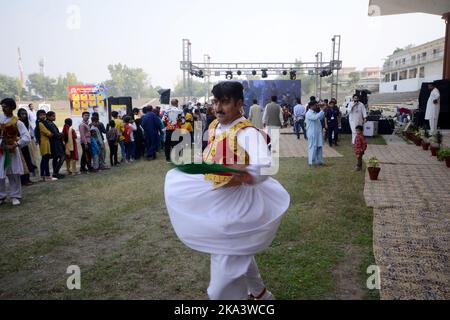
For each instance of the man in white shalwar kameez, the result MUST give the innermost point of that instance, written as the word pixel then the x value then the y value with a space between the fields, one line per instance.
pixel 314 132
pixel 13 136
pixel 230 217
pixel 357 115
pixel 433 108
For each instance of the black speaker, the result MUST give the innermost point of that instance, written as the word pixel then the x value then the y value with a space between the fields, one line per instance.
pixel 362 94
pixel 444 89
pixel 164 96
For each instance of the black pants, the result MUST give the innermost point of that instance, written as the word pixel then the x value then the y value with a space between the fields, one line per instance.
pixel 332 130
pixel 57 163
pixel 85 158
pixel 168 144
pixel 45 169
pixel 359 164
pixel 113 149
pixel 128 146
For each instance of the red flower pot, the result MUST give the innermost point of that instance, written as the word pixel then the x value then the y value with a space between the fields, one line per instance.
pixel 434 151
pixel 447 162
pixel 425 145
pixel 418 142
pixel 373 173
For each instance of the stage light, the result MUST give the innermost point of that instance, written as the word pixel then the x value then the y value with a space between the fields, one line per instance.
pixel 254 73
pixel 239 72
pixel 293 75
pixel 229 75
pixel 284 72
pixel 264 73
pixel 200 73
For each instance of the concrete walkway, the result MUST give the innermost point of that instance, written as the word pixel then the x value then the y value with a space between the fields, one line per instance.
pixel 411 204
pixel 291 147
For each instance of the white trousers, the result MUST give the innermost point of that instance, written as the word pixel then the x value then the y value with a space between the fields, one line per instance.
pixel 15 187
pixel 233 277
pixel 433 125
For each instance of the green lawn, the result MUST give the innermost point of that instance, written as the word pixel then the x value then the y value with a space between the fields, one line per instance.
pixel 114 225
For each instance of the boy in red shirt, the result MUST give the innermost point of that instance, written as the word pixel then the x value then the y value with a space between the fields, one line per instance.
pixel 360 146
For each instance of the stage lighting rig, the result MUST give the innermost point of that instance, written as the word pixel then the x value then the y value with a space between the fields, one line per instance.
pixel 293 75
pixel 264 73
pixel 229 75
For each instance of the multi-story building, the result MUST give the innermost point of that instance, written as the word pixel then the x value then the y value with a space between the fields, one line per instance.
pixel 370 79
pixel 406 69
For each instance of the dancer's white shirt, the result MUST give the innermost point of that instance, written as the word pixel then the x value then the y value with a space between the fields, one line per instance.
pixel 240 220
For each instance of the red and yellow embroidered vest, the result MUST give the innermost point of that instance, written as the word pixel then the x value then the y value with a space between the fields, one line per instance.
pixel 225 150
pixel 9 133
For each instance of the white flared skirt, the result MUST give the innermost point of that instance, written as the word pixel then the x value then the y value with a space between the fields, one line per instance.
pixel 241 220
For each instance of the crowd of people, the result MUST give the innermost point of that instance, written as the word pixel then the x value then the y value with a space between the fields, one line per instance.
pixel 147 131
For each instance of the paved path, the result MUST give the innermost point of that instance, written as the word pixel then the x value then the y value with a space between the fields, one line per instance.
pixel 411 204
pixel 291 147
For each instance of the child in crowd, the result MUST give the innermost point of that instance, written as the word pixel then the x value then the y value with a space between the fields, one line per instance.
pixel 113 136
pixel 128 138
pixel 360 146
pixel 95 150
pixel 71 149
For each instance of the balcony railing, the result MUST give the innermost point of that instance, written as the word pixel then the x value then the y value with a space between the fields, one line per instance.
pixel 414 63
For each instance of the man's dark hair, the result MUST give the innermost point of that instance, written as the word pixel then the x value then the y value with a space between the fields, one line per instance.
pixel 312 98
pixel 255 101
pixel 135 110
pixel 114 114
pixel 9 103
pixel 228 90
pixel 144 110
pixel 87 113
pixel 51 113
pixel 361 128
pixel 68 121
pixel 299 101
pixel 149 108
pixel 326 101
pixel 274 98
pixel 112 124
pixel 127 119
pixel 95 115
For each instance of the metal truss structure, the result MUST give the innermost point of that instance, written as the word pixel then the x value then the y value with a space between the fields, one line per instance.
pixel 206 69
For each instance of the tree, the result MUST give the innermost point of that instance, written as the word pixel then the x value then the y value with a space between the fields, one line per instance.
pixel 41 85
pixel 62 85
pixel 198 89
pixel 127 81
pixel 354 77
pixel 8 87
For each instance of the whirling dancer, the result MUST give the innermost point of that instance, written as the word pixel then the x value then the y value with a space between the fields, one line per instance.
pixel 230 216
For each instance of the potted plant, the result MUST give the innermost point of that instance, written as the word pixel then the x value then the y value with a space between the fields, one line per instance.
pixel 444 155
pixel 373 166
pixel 418 137
pixel 425 140
pixel 436 144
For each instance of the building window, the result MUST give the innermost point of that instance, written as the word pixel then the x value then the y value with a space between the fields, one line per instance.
pixel 403 75
pixel 387 77
pixel 403 61
pixel 422 72
pixel 394 76
pixel 424 55
pixel 395 87
pixel 413 73
pixel 413 59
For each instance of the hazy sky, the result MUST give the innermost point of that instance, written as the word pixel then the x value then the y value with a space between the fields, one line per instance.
pixel 148 34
